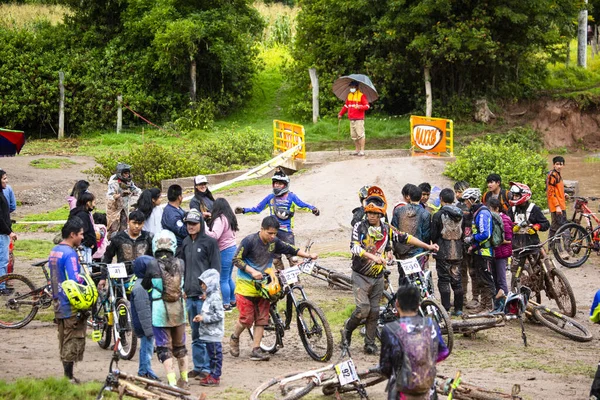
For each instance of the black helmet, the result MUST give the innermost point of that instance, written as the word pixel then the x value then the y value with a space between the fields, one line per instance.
pixel 121 169
pixel 280 176
pixel 363 192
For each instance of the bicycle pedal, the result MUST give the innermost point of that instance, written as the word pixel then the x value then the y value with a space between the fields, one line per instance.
pixel 122 312
pixel 96 335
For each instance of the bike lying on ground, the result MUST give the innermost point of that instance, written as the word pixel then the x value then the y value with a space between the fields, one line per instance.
pixel 574 243
pixel 21 299
pixel 313 328
pixel 541 275
pixel 334 379
pixel 111 317
pixel 137 387
pixel 455 388
pixel 335 279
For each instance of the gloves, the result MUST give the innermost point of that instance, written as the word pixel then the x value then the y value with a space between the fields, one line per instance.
pixel 125 193
pixel 516 228
pixel 239 210
pixel 537 227
pixel 468 240
pixel 316 211
pixel 531 231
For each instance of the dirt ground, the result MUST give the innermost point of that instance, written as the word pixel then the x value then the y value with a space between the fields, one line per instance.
pixel 551 367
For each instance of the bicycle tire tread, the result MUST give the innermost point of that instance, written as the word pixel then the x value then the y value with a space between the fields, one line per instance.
pixel 540 314
pixel 20 324
pixel 325 325
pixel 586 237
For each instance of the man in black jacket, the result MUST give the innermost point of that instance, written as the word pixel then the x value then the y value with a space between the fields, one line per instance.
pixel 6 233
pixel 199 252
pixel 447 232
pixel 130 244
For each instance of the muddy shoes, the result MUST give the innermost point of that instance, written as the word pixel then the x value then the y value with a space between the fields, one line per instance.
pixel 259 354
pixel 371 349
pixel 234 346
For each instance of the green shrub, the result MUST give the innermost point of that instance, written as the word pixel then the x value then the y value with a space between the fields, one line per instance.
pixel 512 161
pixel 151 163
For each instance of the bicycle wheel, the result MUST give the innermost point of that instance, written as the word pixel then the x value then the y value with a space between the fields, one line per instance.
pixel 105 328
pixel 292 391
pixel 314 331
pixel 562 324
pixel 431 308
pixel 269 339
pixel 124 328
pixel 367 378
pixel 558 287
pixel 20 303
pixel 340 281
pixel 573 246
pixel 475 324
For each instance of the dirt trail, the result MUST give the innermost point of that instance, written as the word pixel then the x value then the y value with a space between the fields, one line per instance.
pixel 551 367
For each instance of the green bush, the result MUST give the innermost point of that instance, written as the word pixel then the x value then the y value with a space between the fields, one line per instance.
pixel 512 161
pixel 151 163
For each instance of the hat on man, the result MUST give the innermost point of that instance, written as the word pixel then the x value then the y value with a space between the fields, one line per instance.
pixel 193 216
pixel 200 179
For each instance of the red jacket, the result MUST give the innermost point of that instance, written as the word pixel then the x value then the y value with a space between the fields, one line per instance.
pixel 356 105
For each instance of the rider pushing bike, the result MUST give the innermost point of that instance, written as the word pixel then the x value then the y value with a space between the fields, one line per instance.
pixel 528 220
pixel 282 205
pixel 371 238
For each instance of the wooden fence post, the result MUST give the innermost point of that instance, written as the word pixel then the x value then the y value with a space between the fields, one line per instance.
pixel 314 80
pixel 61 106
pixel 119 113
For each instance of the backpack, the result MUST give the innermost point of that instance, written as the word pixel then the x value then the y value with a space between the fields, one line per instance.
pixel 451 229
pixel 497 230
pixel 408 222
pixel 171 280
pixel 502 197
pixel 416 374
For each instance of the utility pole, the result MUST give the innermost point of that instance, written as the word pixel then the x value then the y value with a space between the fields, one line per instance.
pixel 582 22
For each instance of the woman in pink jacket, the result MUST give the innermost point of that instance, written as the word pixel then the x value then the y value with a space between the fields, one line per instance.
pixel 222 226
pixel 504 251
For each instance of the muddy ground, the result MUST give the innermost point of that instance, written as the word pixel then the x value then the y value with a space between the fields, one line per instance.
pixel 551 367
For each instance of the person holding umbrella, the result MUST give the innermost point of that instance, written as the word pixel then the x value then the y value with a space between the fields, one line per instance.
pixel 358 91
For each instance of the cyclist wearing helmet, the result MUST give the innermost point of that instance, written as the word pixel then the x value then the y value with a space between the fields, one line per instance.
pixel 481 247
pixel 254 258
pixel 358 214
pixel 65 267
pixel 466 266
pixel 282 204
pixel 370 244
pixel 528 220
pixel 164 280
pixel 120 190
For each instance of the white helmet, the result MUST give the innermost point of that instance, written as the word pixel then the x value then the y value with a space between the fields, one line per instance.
pixel 472 194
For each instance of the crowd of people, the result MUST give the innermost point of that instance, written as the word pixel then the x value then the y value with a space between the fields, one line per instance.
pixel 184 262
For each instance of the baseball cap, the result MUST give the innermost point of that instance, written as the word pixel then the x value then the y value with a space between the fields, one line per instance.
pixel 193 216
pixel 200 179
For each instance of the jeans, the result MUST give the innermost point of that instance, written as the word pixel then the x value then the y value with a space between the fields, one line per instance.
pixel 199 355
pixel 227 284
pixel 146 352
pixel 4 243
pixel 86 254
pixel 215 353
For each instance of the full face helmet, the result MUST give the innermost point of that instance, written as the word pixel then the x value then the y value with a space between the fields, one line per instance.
pixel 363 192
pixel 164 241
pixel 519 193
pixel 375 201
pixel 281 177
pixel 82 296
pixel 269 287
pixel 516 303
pixel 123 168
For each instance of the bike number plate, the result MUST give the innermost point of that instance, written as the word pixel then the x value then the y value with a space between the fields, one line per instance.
pixel 307 267
pixel 116 271
pixel 346 372
pixel 410 266
pixel 290 275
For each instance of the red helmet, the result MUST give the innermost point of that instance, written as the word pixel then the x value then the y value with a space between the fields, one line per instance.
pixel 519 193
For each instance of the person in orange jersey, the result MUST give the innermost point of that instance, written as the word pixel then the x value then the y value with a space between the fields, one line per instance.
pixel 356 105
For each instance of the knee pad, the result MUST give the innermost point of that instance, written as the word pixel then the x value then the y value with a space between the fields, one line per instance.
pixel 179 352
pixel 363 312
pixel 163 353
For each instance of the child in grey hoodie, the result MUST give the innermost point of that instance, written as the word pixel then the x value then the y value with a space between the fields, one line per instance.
pixel 212 325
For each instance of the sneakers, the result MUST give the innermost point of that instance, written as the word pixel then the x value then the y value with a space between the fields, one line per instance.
pixel 150 376
pixel 227 308
pixel 74 381
pixel 346 335
pixel 233 304
pixel 458 313
pixel 361 154
pixel 181 384
pixel 259 354
pixel 234 346
pixel 210 381
pixel 197 374
pixel 472 304
pixel 371 348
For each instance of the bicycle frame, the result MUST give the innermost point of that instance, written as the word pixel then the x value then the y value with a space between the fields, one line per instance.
pixel 291 303
pixel 581 210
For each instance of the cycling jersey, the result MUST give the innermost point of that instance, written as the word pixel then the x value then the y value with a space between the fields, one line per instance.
pixel 282 208
pixel 64 264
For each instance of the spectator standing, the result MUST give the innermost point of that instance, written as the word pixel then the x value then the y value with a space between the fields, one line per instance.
pixel 502 252
pixel 356 105
pixel 131 243
pixel 555 192
pixel 172 218
pixel 222 226
pixel 120 190
pixel 86 203
pixel 6 233
pixel 203 199
pixel 79 187
pixel 149 204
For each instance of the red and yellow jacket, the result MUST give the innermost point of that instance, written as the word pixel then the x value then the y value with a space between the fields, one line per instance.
pixel 356 105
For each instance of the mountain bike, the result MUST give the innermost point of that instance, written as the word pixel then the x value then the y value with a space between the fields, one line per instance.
pixel 456 388
pixel 111 317
pixel 574 243
pixel 313 328
pixel 334 379
pixel 20 304
pixel 559 323
pixel 333 278
pixel 137 387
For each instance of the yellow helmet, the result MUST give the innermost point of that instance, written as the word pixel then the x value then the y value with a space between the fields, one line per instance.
pixel 269 287
pixel 81 296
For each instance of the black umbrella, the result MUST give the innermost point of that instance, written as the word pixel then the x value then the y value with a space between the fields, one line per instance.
pixel 341 87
